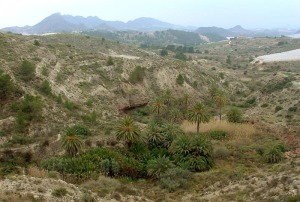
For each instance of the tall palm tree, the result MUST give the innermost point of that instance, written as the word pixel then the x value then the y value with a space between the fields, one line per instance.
pixel 220 101
pixel 72 144
pixel 197 114
pixel 128 131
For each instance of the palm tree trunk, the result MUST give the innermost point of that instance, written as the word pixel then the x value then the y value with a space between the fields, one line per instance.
pixel 220 114
pixel 198 124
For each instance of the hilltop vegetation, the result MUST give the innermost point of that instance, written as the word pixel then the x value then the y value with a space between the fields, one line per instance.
pixel 195 123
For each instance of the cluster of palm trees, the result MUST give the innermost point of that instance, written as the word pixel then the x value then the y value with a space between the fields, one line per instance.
pixel 129 131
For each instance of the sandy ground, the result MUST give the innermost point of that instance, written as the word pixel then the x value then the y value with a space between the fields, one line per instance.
pixel 284 56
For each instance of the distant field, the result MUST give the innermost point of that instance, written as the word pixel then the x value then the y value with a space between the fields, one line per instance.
pixel 284 56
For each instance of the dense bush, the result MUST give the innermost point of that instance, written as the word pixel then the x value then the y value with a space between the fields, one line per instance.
pixel 109 61
pixel 192 153
pixel 218 134
pixel 46 88
pixel 79 130
pixel 27 71
pixel 59 192
pixel 175 178
pixel 28 110
pixel 234 115
pixel 137 75
pixel 36 43
pixel 6 86
pixel 278 108
pixel 158 166
pixel 163 52
pixel 274 152
pixel 110 167
pixel 278 85
pixel 91 161
pixel 181 56
pixel 180 80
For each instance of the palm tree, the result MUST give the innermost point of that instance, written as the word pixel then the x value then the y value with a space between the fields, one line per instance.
pixel 128 131
pixel 198 115
pixel 157 104
pixel 72 144
pixel 220 101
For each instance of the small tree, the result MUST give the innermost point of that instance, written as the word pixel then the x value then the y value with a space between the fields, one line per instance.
pixel 234 115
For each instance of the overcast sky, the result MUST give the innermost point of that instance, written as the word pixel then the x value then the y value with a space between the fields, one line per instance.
pixel 222 13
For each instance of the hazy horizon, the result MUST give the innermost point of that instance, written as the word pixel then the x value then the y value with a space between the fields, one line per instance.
pixel 199 13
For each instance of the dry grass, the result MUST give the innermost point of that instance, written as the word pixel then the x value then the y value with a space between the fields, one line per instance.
pixel 236 131
pixel 37 172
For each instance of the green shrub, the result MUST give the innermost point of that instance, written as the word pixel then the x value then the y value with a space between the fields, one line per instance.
pixel 221 152
pixel 218 134
pixel 27 71
pixel 110 167
pixel 53 175
pixel 234 115
pixel 59 192
pixel 180 80
pixel 79 130
pixel 20 139
pixel 163 52
pixel 36 43
pixel 28 110
pixel 46 88
pixel 137 75
pixel 278 108
pixel 109 61
pixel 274 153
pixel 181 56
pixel 70 105
pixel 6 86
pixel 278 85
pixel 293 109
pixel 175 178
pixel 90 162
pixel 192 153
pixel 45 71
pixel 157 167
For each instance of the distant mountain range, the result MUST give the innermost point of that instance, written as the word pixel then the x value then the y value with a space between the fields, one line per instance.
pixel 68 23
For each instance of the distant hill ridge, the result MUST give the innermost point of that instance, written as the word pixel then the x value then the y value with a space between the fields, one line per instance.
pixel 68 23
